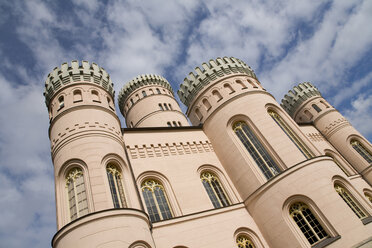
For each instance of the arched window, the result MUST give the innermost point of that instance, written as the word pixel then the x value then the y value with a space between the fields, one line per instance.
pixel 251 83
pixel 174 124
pixel 77 196
pixel 317 109
pixel 214 189
pixel 291 134
pixel 77 96
pixel 170 106
pixel 95 96
pixel 158 91
pixel 350 201
pixel 256 150
pixel 144 93
pixel 116 187
pixel 217 95
pixel 362 150
pixel 166 106
pixel 61 102
pixel 206 103
pixel 179 124
pixel 131 101
pixel 241 84
pixel 169 124
pixel 156 200
pixel 307 223
pixel 151 91
pixel 308 114
pixel 338 164
pixel 368 196
pixel 198 114
pixel 244 242
pixel 161 106
pixel 229 88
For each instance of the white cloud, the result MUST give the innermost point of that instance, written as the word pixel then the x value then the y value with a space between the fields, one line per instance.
pixel 360 114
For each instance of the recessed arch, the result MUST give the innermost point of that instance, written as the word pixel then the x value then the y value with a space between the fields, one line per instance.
pixel 247 237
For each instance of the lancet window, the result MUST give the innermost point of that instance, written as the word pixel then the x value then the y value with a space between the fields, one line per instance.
pixel 116 186
pixel 156 200
pixel 215 190
pixel 243 241
pixel 77 196
pixel 262 158
pixel 350 201
pixel 307 222
pixel 291 134
pixel 362 150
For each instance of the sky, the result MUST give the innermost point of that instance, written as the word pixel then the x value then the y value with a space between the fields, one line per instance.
pixel 328 43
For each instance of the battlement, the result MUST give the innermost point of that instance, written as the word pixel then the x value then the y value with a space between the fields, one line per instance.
pixel 139 81
pixel 210 72
pixel 67 74
pixel 297 96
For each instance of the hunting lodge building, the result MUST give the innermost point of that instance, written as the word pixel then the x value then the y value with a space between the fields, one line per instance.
pixel 248 172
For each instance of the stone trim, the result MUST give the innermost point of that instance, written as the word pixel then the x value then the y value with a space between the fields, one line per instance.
pixel 210 72
pixel 169 149
pixel 76 72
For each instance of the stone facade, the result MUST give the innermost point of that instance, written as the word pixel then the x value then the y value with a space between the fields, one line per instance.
pixel 248 172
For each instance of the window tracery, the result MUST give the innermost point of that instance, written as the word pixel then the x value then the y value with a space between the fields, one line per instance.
pixel 291 134
pixel 307 222
pixel 214 189
pixel 156 200
pixel 244 242
pixel 362 150
pixel 350 201
pixel 257 151
pixel 116 187
pixel 77 197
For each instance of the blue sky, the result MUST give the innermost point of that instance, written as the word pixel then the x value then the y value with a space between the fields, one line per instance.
pixel 328 43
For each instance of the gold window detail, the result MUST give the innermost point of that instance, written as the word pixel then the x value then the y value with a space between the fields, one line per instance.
pixel 215 190
pixel 307 223
pixel 244 242
pixel 291 134
pixel 369 197
pixel 156 200
pixel 116 187
pixel 350 201
pixel 257 151
pixel 77 197
pixel 362 150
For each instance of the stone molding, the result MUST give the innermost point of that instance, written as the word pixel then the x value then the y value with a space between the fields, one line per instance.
pixel 139 81
pixel 210 72
pixel 169 149
pixel 297 96
pixel 67 74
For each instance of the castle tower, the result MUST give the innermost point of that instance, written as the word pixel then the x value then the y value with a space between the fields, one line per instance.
pixel 96 195
pixel 272 164
pixel 148 101
pixel 306 105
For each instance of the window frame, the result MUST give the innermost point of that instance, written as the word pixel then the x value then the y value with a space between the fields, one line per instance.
pixel 216 195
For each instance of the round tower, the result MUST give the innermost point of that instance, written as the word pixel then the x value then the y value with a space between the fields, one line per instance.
pixel 268 158
pixel 93 179
pixel 148 101
pixel 305 104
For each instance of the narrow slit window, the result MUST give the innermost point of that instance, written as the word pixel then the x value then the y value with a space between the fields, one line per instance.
pixel 291 135
pixel 61 102
pixel 257 151
pixel 214 189
pixel 174 124
pixel 156 201
pixel 317 109
pixel 158 91
pixel 170 106
pixel 144 93
pixel 166 106
pixel 116 187
pixel 77 96
pixel 77 197
pixel 161 106
pixel 217 95
pixel 350 201
pixel 307 223
pixel 169 124
pixel 229 88
pixel 362 150
pixel 179 124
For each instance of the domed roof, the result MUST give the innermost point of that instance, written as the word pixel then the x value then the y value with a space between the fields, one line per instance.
pixel 210 72
pixel 67 74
